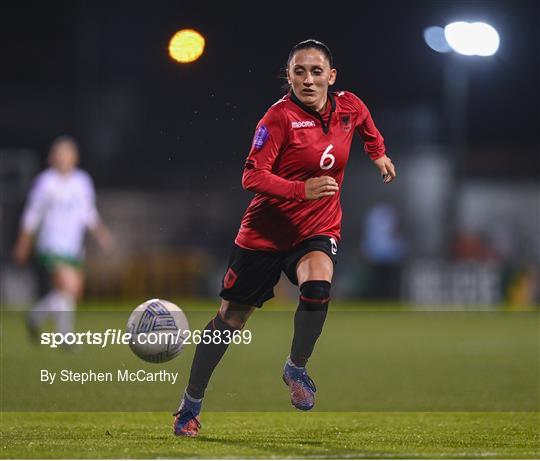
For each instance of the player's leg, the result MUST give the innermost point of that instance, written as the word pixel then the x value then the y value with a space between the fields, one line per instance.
pixel 39 313
pixel 311 267
pixel 49 300
pixel 230 318
pixel 37 316
pixel 248 283
pixel 314 272
pixel 67 283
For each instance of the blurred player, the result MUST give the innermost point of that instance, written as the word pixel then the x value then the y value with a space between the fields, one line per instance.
pixel 59 209
pixel 295 167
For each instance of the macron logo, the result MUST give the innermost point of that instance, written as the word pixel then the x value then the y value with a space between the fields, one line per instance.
pixel 303 124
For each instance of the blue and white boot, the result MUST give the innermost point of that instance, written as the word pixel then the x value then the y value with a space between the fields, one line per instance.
pixel 301 386
pixel 186 421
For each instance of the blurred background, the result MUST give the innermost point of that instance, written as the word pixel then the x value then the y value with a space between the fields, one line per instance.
pixel 166 142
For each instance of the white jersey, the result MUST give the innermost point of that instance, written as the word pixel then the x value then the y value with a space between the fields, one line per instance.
pixel 60 208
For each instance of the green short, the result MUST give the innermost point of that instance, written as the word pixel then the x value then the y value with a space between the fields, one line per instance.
pixel 50 260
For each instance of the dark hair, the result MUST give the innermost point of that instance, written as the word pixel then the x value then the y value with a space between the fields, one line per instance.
pixel 312 43
pixel 62 139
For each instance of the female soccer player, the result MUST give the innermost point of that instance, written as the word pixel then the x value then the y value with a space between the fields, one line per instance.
pixel 295 167
pixel 59 209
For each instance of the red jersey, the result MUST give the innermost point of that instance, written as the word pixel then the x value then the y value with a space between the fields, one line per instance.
pixel 293 143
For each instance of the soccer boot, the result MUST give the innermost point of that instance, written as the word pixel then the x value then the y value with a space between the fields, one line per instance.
pixel 301 386
pixel 186 423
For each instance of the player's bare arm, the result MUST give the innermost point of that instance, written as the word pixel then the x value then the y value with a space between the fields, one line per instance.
pixel 21 251
pixel 103 237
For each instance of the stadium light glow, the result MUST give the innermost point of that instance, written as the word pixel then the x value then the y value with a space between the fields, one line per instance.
pixel 435 39
pixel 186 45
pixel 472 38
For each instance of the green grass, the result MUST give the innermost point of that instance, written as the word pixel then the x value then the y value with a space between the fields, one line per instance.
pixel 374 361
pixel 273 435
pixel 391 383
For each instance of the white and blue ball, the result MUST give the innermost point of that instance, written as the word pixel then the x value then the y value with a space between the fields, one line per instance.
pixel 158 330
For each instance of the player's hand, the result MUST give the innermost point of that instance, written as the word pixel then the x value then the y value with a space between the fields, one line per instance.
pixel 323 186
pixel 105 239
pixel 387 168
pixel 107 243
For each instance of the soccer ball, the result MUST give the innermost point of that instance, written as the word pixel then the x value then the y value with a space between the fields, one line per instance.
pixel 158 330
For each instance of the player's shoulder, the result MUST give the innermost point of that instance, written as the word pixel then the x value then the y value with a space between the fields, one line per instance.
pixel 276 113
pixel 277 109
pixel 45 178
pixel 82 176
pixel 280 103
pixel 347 100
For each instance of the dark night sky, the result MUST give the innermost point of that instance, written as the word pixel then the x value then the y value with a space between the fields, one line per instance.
pixel 101 72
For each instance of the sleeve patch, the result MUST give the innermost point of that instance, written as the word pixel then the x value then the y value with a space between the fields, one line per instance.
pixel 261 136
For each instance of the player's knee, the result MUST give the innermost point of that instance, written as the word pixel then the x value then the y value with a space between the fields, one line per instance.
pixel 229 322
pixel 315 294
pixel 234 315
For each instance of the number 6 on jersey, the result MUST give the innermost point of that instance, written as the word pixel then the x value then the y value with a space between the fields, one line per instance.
pixel 327 155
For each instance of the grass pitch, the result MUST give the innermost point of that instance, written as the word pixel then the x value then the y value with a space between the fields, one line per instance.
pixel 392 384
pixel 273 435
